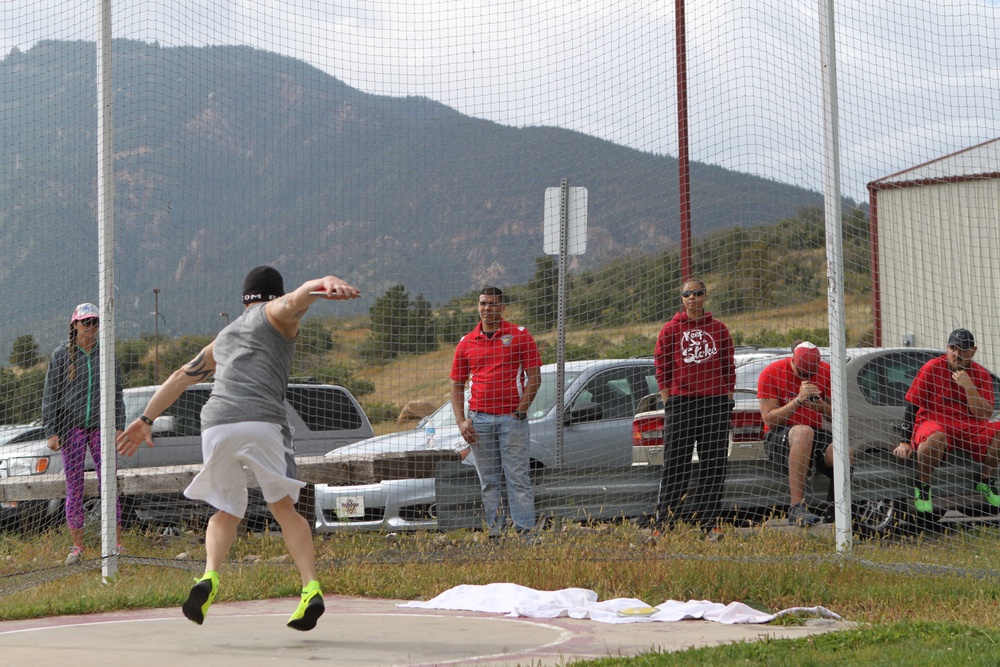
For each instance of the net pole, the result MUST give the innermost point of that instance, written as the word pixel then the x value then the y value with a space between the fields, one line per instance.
pixel 105 258
pixel 835 278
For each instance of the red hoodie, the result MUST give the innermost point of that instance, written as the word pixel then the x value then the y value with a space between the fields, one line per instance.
pixel 695 357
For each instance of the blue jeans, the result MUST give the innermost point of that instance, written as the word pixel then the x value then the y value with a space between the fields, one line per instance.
pixel 501 452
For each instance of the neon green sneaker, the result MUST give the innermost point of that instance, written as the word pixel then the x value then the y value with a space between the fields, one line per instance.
pixel 922 500
pixel 310 608
pixel 201 596
pixel 989 493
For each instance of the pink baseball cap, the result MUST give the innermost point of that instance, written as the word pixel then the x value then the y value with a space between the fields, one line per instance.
pixel 806 358
pixel 85 311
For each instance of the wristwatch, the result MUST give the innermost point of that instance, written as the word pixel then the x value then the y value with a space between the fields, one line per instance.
pixel 145 420
pixel 520 416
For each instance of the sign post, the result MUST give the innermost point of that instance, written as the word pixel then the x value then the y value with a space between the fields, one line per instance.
pixel 565 233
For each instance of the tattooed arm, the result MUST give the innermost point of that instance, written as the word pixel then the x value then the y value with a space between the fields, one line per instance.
pixel 199 369
pixel 285 313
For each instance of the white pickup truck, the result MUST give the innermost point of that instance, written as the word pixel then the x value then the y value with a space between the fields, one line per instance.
pixel 322 417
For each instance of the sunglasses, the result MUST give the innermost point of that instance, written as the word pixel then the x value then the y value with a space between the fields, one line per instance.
pixel 92 322
pixel 690 293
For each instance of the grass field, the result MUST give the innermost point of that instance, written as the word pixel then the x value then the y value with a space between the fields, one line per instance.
pixel 916 601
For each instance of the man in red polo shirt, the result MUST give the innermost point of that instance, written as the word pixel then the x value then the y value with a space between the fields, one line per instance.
pixel 794 395
pixel 949 405
pixel 501 360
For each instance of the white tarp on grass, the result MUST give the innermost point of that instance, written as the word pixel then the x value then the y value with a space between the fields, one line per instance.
pixel 520 601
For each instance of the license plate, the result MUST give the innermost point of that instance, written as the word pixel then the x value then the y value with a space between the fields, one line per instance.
pixel 351 507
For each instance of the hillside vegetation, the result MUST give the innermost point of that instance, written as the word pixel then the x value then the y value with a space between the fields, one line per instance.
pixel 768 284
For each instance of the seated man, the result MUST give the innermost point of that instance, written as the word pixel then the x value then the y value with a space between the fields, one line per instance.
pixel 794 395
pixel 949 405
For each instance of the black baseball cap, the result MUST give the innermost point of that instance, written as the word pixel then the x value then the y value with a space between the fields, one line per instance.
pixel 263 283
pixel 962 339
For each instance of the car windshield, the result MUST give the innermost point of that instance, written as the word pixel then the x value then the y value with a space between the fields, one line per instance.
pixel 8 434
pixel 544 401
pixel 747 374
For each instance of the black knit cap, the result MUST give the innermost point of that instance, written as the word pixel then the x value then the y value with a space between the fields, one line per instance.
pixel 263 283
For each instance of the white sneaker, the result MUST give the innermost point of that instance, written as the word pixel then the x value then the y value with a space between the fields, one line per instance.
pixel 75 556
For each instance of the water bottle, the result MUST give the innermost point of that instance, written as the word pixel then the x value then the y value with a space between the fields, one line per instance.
pixel 429 439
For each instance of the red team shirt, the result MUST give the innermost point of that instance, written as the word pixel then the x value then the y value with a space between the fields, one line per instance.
pixel 942 405
pixel 779 381
pixel 496 366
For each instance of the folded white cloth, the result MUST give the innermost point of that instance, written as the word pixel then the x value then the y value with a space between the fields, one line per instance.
pixel 521 601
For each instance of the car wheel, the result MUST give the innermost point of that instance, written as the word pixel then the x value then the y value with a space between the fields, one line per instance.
pixel 877 518
pixel 32 520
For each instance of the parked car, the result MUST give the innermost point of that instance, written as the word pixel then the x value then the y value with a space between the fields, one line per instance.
pixel 24 452
pixel 877 382
pixel 388 484
pixel 322 417
pixel 746 428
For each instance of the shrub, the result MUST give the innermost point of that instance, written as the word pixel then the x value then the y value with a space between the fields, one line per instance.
pixel 380 411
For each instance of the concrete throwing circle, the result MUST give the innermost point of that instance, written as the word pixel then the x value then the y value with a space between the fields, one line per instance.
pixel 250 634
pixel 354 632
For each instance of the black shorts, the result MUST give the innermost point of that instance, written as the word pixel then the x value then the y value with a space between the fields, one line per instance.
pixel 776 446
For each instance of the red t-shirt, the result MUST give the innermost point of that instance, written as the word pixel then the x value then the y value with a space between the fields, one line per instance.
pixel 496 366
pixel 779 381
pixel 939 398
pixel 695 357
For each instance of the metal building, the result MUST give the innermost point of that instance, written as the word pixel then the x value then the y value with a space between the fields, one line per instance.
pixel 935 232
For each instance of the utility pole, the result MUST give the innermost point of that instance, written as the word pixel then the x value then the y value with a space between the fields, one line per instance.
pixel 156 334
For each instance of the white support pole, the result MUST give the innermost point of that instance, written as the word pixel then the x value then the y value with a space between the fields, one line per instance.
pixel 835 278
pixel 106 266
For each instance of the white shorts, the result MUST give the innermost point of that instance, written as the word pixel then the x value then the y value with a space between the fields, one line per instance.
pixel 263 447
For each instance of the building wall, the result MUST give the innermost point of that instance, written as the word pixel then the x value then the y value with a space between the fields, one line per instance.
pixel 939 261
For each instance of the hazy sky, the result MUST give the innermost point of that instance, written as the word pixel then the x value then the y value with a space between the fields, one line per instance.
pixel 917 79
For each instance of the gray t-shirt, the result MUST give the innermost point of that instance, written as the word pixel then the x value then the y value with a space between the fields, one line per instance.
pixel 253 362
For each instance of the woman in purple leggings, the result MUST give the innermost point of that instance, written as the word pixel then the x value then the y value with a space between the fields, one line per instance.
pixel 71 407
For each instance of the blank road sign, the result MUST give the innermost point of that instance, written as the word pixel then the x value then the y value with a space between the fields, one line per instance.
pixel 577 232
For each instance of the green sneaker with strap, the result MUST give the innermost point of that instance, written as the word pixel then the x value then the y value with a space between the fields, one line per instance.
pixel 990 493
pixel 922 499
pixel 201 597
pixel 310 608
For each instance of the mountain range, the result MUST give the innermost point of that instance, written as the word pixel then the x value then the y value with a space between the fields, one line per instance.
pixel 226 157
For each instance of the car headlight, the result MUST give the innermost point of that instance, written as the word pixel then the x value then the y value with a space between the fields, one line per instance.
pixel 29 465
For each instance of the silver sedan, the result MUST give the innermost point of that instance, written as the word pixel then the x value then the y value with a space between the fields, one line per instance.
pixel 387 482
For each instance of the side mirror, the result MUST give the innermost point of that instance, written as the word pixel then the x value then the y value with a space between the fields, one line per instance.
pixel 584 412
pixel 164 424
